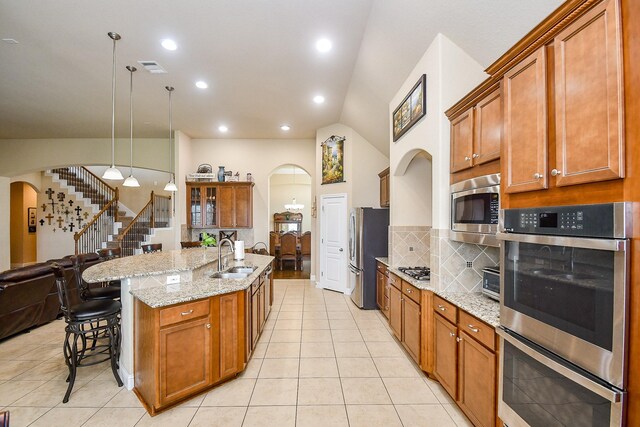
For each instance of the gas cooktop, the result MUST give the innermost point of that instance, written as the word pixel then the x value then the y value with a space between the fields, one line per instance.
pixel 418 273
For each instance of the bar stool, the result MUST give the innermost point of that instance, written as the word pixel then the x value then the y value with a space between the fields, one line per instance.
pixel 86 293
pixel 151 248
pixel 108 254
pixel 94 320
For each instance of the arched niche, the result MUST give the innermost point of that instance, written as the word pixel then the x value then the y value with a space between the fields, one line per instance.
pixel 412 189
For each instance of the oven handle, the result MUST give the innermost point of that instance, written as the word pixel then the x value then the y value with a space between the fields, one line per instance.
pixel 574 242
pixel 602 391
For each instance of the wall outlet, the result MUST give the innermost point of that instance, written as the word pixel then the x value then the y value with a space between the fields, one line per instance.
pixel 173 279
pixel 173 288
pixel 410 248
pixel 469 264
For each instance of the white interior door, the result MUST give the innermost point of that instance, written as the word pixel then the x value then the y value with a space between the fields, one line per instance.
pixel 333 242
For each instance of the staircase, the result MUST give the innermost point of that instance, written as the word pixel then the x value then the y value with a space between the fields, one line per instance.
pixel 110 226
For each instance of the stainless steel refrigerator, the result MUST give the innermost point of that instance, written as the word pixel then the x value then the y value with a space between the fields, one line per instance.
pixel 368 239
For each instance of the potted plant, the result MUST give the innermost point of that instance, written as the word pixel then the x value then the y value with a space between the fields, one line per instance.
pixel 208 240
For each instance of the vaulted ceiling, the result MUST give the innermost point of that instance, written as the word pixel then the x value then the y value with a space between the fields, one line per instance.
pixel 257 56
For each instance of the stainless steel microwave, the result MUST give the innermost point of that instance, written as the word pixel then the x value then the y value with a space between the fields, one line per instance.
pixel 475 206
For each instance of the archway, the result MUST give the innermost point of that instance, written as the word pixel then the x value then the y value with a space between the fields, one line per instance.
pixel 22 231
pixel 290 211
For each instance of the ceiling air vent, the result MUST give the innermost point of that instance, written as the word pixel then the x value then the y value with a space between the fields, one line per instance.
pixel 153 67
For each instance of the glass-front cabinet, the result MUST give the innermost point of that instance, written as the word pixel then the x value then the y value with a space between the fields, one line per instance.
pixel 201 206
pixel 221 205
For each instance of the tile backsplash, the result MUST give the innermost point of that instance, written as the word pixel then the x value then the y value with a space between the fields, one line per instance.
pixel 457 266
pixel 409 246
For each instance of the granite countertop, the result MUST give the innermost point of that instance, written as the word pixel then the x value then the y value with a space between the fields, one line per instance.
pixel 151 264
pixel 161 296
pixel 474 303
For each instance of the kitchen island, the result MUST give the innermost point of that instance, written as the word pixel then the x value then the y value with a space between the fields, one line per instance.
pixel 183 331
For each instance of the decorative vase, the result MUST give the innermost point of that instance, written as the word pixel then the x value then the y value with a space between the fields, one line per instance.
pixel 220 173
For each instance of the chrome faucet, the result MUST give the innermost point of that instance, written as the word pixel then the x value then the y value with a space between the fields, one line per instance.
pixel 220 266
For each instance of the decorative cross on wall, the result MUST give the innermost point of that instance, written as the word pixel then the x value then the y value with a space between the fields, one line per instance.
pixel 78 210
pixel 64 229
pixel 59 221
pixel 70 202
pixel 50 193
pixel 53 205
pixel 66 213
pixel 49 218
pixel 71 225
pixel 79 219
pixel 61 196
pixel 44 207
pixel 86 215
pixel 41 222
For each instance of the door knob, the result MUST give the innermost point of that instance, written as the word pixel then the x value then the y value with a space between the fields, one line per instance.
pixel 340 249
pixel 555 172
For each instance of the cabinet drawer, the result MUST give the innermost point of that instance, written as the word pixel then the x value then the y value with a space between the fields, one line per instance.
pixel 477 329
pixel 255 286
pixel 411 291
pixel 395 281
pixel 182 312
pixel 382 268
pixel 445 309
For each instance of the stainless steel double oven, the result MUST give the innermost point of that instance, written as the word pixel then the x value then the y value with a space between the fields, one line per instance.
pixel 563 315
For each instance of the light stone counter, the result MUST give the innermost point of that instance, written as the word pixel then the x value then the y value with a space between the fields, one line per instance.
pixel 145 277
pixel 474 303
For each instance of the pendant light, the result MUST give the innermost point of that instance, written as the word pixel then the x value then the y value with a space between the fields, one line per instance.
pixel 171 185
pixel 113 173
pixel 131 181
pixel 293 206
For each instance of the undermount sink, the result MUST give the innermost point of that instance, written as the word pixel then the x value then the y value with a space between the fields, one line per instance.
pixel 240 272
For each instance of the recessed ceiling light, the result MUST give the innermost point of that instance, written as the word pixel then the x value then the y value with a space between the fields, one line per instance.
pixel 324 45
pixel 285 127
pixel 169 44
pixel 223 128
pixel 202 85
pixel 318 99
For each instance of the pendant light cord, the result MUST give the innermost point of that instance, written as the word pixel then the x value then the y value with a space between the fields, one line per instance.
pixel 131 70
pixel 113 107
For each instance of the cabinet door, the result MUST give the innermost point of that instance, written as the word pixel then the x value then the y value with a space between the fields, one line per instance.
pixel 255 322
pixel 395 311
pixel 185 359
pixel 462 141
pixel 411 328
pixel 445 360
pixel 488 126
pixel 262 311
pixel 229 335
pixel 226 207
pixel 248 339
pixel 384 191
pixel 243 206
pixel 209 206
pixel 477 377
pixel 589 98
pixel 380 290
pixel 525 125
pixel 194 206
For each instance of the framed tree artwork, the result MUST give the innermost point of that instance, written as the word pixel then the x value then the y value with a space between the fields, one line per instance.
pixel 412 108
pixel 333 160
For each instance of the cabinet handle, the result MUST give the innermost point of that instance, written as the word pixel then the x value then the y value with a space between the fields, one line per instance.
pixel 451 334
pixel 408 290
pixel 555 172
pixel 537 175
pixel 442 307
pixel 186 313
pixel 475 156
pixel 458 339
pixel 473 329
pixel 467 158
pixel 208 325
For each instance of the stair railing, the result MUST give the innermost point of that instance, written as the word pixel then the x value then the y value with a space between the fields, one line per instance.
pixel 103 191
pixel 97 231
pixel 156 211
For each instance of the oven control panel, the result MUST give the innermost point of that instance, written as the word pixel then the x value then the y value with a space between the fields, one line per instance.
pixel 602 220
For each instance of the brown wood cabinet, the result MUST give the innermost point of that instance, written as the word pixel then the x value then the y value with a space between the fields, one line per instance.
pixel 384 188
pixel 589 98
pixel 477 379
pixel 220 205
pixel 230 325
pixel 525 125
pixel 411 327
pixel 476 134
pixel 405 315
pixel 465 361
pixel 445 366
pixel 382 289
pixel 395 311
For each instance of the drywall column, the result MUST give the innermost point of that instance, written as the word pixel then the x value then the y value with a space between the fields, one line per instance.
pixel 5 225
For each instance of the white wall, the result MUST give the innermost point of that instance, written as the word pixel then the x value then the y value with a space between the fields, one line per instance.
pixel 451 73
pixel 416 186
pixel 282 189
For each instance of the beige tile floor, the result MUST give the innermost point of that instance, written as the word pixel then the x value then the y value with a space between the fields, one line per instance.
pixel 320 362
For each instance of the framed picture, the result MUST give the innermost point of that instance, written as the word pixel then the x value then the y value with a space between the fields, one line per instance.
pixel 412 108
pixel 333 160
pixel 31 220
